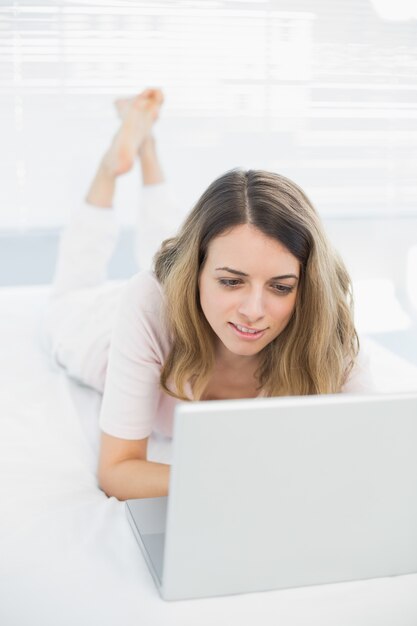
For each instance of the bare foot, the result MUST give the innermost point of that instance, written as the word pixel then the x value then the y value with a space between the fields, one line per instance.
pixel 123 104
pixel 138 115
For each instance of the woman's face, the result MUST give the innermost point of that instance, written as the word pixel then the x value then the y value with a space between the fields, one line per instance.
pixel 248 288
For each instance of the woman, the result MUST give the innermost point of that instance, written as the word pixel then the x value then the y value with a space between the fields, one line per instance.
pixel 248 299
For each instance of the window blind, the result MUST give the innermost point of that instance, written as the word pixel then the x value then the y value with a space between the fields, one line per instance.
pixel 324 92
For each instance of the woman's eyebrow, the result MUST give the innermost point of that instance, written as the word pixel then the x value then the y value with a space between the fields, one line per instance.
pixel 229 269
pixel 239 273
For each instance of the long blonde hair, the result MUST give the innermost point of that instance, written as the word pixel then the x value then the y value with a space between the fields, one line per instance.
pixel 316 351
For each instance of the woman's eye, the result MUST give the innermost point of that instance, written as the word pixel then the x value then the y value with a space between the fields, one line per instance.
pixel 229 282
pixel 283 289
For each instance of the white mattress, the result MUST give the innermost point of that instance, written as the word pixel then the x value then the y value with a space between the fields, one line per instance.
pixel 67 554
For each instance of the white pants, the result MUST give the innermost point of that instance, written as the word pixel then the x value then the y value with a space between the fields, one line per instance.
pixel 83 304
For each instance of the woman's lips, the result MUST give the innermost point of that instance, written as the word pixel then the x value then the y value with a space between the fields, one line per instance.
pixel 251 336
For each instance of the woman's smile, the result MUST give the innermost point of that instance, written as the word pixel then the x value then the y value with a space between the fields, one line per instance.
pixel 248 334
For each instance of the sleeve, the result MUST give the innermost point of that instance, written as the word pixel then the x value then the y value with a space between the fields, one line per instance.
pixel 360 379
pixel 137 352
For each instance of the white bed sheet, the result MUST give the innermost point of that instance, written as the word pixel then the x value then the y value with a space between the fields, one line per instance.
pixel 67 554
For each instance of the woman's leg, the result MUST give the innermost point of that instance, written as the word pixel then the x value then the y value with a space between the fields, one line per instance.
pixel 88 241
pixel 152 173
pixel 159 213
pixel 83 305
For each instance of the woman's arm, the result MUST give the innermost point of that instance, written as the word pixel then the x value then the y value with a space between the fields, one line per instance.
pixel 124 472
pixel 132 396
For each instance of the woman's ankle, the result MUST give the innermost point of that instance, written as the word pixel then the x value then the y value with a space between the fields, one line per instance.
pixel 152 172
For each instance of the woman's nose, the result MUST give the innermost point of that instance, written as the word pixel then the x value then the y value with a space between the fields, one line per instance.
pixel 252 307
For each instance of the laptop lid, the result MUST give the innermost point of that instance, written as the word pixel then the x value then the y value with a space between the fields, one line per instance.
pixel 283 492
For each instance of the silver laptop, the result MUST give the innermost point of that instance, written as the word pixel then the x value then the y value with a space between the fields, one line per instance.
pixel 284 492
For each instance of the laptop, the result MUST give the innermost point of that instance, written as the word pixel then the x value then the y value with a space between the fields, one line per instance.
pixel 272 493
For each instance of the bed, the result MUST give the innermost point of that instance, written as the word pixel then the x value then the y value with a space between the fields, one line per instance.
pixel 67 554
